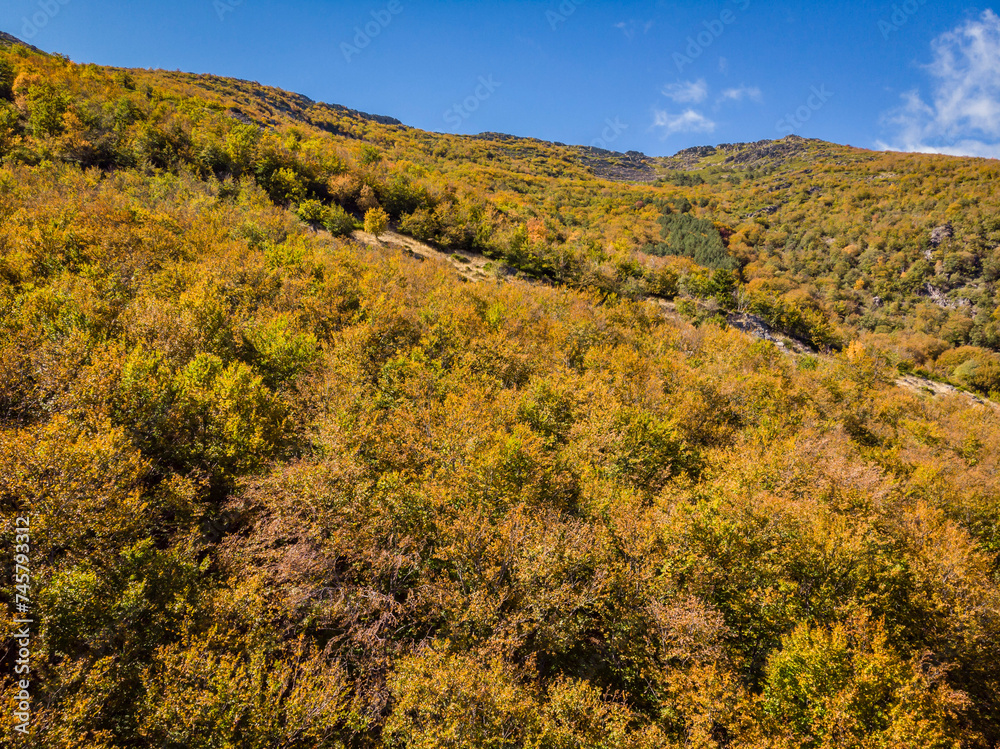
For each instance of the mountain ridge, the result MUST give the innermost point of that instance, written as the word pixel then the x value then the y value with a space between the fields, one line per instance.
pixel 706 149
pixel 7 40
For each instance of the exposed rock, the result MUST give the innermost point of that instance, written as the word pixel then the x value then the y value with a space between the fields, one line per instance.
pixel 941 233
pixel 769 210
pixel 938 297
pixel 923 386
pixel 622 167
pixel 697 151
pixel 7 40
pixel 757 153
pixel 752 325
pixel 758 328
pixel 762 153
pixel 239 116
pixel 501 137
pixel 381 119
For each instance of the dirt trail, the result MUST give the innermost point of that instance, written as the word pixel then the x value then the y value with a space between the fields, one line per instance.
pixel 469 266
pixel 923 386
pixel 474 268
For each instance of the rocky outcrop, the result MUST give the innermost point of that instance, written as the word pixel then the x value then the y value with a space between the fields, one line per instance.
pixel 7 40
pixel 768 210
pixel 239 116
pixel 753 155
pixel 941 233
pixel 699 152
pixel 763 151
pixel 619 167
pixel 500 137
pixel 939 298
pixel 379 118
pixel 632 166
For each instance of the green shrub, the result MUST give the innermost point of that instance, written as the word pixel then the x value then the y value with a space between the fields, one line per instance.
pixel 376 222
pixel 421 224
pixel 8 127
pixel 7 74
pixel 311 211
pixel 332 217
pixel 399 196
pixel 687 309
pixel 223 419
pixel 339 222
pixel 46 107
pixel 241 147
pixel 285 186
pixel 282 353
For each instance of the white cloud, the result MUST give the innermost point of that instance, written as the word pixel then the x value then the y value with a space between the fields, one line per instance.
pixel 742 92
pixel 685 92
pixel 966 147
pixel 962 117
pixel 688 121
pixel 691 120
pixel 630 27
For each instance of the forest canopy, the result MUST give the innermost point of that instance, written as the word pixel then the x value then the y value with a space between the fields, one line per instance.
pixel 289 488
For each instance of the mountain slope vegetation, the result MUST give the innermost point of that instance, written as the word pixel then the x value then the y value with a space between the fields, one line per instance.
pixel 291 489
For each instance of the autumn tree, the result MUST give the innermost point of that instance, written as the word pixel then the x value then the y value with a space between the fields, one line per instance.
pixel 376 222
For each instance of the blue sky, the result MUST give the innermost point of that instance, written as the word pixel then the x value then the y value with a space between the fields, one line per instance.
pixel 649 76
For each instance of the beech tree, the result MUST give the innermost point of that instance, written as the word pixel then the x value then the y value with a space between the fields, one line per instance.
pixel 376 221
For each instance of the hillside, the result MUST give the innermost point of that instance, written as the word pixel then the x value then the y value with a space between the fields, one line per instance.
pixel 509 475
pixel 827 243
